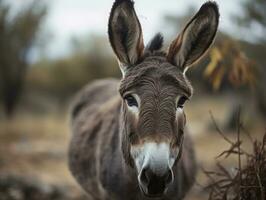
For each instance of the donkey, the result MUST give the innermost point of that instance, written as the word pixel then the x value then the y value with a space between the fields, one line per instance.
pixel 129 139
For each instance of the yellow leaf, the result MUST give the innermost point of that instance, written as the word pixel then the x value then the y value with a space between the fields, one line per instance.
pixel 215 57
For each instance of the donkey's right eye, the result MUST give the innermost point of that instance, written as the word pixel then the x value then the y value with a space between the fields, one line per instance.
pixel 181 101
pixel 131 101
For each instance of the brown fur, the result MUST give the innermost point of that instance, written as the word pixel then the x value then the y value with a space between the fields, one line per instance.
pixel 99 154
pixel 104 130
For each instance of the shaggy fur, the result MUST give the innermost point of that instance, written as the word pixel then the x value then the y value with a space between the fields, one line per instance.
pixel 155 44
pixel 104 129
pixel 99 154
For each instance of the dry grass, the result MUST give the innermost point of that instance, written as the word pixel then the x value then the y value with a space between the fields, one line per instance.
pixel 246 181
pixel 36 146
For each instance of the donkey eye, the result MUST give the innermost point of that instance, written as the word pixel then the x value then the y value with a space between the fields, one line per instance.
pixel 181 101
pixel 131 101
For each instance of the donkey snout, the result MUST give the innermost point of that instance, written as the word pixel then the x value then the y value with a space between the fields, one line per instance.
pixel 154 184
pixel 153 162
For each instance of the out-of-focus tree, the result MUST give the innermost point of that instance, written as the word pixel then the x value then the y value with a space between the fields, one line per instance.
pixel 253 21
pixel 229 63
pixel 248 70
pixel 254 14
pixel 89 59
pixel 17 36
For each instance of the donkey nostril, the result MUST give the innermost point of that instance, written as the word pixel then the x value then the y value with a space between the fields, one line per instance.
pixel 168 177
pixel 144 177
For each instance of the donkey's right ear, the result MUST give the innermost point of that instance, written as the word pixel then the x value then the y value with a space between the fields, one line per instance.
pixel 125 34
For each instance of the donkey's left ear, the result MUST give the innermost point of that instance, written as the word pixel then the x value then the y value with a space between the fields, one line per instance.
pixel 125 34
pixel 196 38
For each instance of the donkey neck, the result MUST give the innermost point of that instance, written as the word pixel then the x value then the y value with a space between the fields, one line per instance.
pixel 120 177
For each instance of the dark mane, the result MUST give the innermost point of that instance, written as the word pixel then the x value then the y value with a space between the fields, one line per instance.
pixel 135 146
pixel 156 43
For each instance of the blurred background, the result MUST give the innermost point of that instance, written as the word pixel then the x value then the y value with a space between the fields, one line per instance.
pixel 50 49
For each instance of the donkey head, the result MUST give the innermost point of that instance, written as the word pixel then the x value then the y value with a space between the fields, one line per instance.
pixel 154 89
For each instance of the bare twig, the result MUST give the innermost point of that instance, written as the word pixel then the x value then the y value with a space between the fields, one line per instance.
pixel 250 180
pixel 219 130
pixel 239 156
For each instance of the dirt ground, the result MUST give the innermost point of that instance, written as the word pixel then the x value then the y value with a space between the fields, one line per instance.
pixel 33 147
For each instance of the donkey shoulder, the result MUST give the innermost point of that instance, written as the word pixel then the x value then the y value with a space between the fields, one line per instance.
pixel 93 95
pixel 93 126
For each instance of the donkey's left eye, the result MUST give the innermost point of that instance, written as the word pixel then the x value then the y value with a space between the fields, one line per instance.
pixel 131 101
pixel 181 101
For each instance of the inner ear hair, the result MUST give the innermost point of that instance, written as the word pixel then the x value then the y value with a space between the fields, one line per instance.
pixel 196 38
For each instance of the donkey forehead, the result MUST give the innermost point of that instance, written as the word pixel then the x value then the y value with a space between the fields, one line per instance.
pixel 154 74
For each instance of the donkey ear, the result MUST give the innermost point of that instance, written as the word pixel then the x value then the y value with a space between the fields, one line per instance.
pixel 125 34
pixel 196 37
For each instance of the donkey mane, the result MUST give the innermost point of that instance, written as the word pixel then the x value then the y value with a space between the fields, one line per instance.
pixel 136 146
pixel 155 44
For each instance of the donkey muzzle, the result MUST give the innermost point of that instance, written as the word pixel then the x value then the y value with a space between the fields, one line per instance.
pixel 154 184
pixel 154 163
